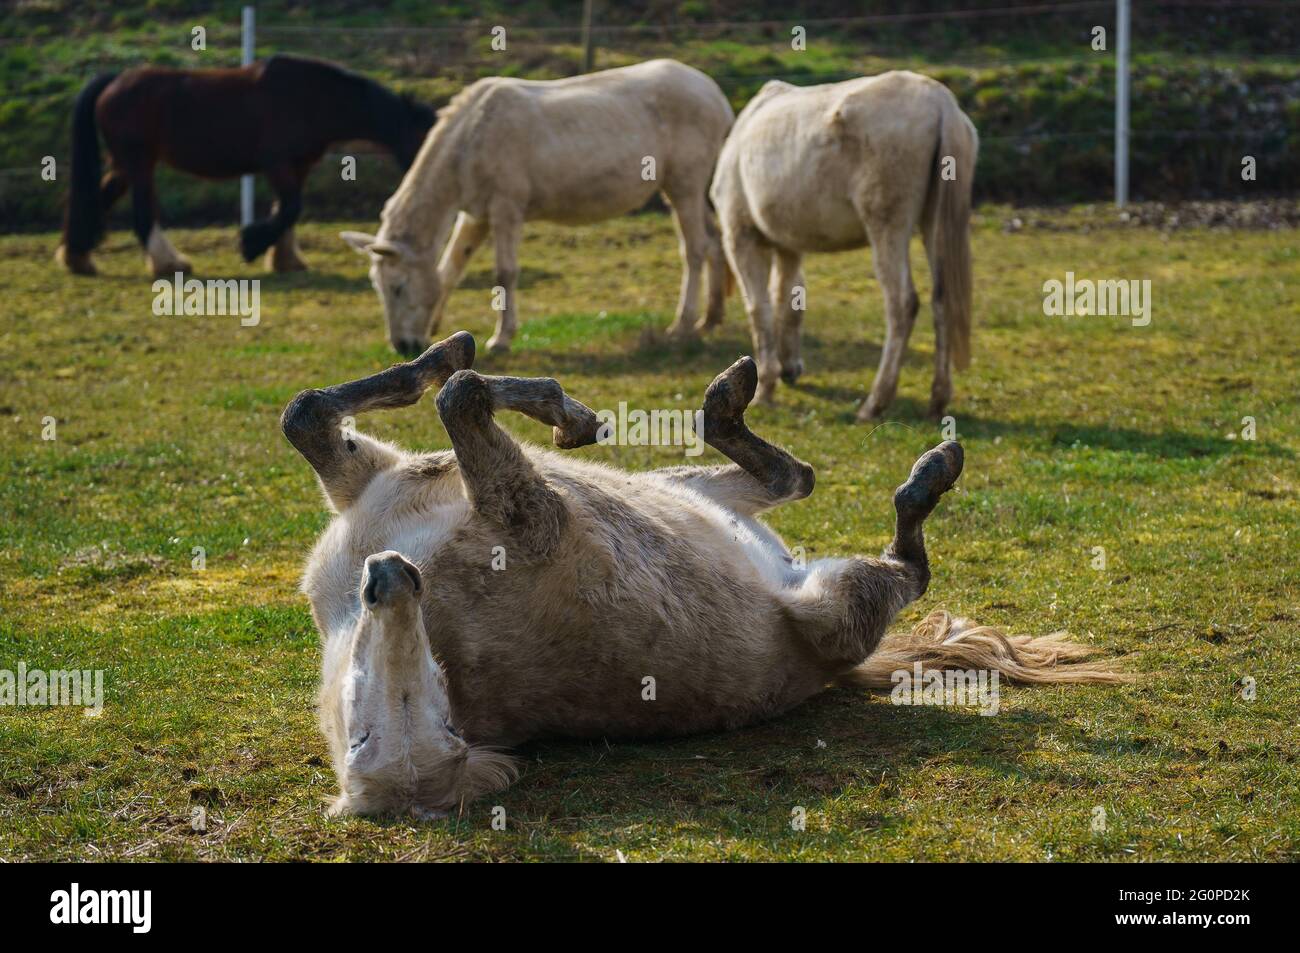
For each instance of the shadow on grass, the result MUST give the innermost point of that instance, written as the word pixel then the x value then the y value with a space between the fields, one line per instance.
pixel 748 781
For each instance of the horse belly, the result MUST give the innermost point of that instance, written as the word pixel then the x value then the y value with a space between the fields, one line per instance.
pixel 592 165
pixel 799 203
pixel 699 642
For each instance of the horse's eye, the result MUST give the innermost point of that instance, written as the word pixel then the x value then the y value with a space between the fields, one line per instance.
pixel 397 290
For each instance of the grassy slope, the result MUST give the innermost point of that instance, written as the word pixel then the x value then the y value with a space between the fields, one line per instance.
pixel 1232 83
pixel 1078 433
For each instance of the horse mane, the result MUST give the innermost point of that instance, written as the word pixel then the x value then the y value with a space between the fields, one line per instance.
pixel 389 107
pixel 407 198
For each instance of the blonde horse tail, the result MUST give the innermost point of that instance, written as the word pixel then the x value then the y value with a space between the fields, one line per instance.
pixel 958 147
pixel 943 642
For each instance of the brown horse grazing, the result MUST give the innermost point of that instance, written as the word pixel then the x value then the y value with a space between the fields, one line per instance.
pixel 276 117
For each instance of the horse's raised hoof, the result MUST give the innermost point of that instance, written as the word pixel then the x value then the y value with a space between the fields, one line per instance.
pixel 932 476
pixel 728 396
pixel 792 373
pixel 78 263
pixel 449 355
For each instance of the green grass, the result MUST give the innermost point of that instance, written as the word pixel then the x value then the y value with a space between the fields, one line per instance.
pixel 1079 433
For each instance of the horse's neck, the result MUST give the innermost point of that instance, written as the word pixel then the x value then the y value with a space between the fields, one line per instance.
pixel 421 211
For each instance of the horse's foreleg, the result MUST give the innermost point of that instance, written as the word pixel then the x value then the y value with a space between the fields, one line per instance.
pixel 257 237
pixel 163 258
pixel 719 274
pixel 573 423
pixel 465 240
pixel 789 296
pixel 321 423
pixel 500 480
pixel 843 606
pixel 507 225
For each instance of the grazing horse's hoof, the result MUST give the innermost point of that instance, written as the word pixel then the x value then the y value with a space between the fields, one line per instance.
pixel 498 346
pixel 792 373
pixel 166 269
pixel 256 238
pixel 682 331
pixel 283 263
pixel 78 263
pixel 932 476
pixel 870 411
pixel 712 319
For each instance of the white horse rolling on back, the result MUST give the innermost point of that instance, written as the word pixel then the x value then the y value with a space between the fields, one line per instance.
pixel 477 598
pixel 574 151
pixel 828 168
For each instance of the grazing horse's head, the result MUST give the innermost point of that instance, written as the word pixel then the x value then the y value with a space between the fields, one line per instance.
pixel 408 286
pixel 386 713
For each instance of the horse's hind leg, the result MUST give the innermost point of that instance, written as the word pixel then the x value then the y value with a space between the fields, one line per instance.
pixel 769 475
pixel 889 251
pixel 111 188
pixel 787 281
pixel 317 421
pixel 285 255
pixel 689 211
pixel 844 605
pixel 719 273
pixel 941 389
pixel 751 259
pixel 258 237
pixel 164 260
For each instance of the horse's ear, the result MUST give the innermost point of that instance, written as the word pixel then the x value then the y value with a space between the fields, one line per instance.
pixel 360 242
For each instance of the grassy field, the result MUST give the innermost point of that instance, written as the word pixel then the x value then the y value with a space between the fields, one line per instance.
pixel 1079 433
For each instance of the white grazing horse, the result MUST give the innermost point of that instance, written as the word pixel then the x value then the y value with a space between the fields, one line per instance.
pixel 577 150
pixel 826 168
pixel 497 592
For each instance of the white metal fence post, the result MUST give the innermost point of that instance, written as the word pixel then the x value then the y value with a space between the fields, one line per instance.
pixel 1121 102
pixel 246 182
